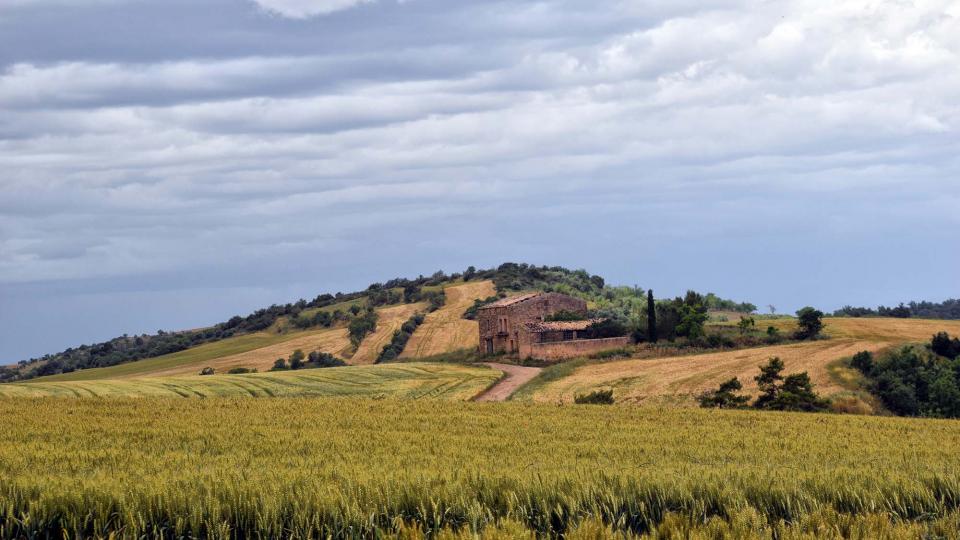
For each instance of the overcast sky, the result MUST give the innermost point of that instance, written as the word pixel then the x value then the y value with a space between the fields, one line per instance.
pixel 169 163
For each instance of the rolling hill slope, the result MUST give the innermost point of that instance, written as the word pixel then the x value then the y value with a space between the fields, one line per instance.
pixel 445 330
pixel 409 380
pixel 680 379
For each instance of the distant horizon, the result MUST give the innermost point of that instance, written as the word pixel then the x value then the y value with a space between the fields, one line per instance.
pixel 762 309
pixel 171 163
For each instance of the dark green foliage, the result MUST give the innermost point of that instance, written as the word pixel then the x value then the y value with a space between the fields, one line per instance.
pixel 564 315
pixel 725 397
pixel 280 365
pixel 712 301
pixel 296 359
pixel 361 325
pixel 651 318
pixel 810 321
pixel 318 359
pixel 944 346
pixel 773 335
pixel 207 371
pixel 607 328
pixel 746 324
pixel 791 393
pixel 393 349
pixel 240 371
pixel 471 312
pixel 900 312
pixel 912 381
pixel 436 299
pixel 597 397
pixel 948 309
pixel 863 362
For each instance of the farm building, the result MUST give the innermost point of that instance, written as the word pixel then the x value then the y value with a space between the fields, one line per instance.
pixel 518 326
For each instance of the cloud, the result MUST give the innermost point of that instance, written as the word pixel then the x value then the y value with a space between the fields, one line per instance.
pixel 303 9
pixel 221 146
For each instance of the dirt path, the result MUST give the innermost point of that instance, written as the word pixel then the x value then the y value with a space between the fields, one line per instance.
pixel 517 376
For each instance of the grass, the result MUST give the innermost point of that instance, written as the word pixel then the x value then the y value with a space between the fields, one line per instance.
pixel 337 467
pixel 405 381
pixel 195 356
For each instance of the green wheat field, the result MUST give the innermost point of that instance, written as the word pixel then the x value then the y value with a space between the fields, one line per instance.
pixel 384 468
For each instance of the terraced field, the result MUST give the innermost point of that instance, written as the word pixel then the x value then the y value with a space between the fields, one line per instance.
pixel 678 380
pixel 390 320
pixel 444 330
pixel 410 381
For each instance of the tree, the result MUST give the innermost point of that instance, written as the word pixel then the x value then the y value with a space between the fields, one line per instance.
pixel 692 320
pixel 651 318
pixel 725 396
pixel 796 394
pixel 863 362
pixel 279 365
pixel 745 324
pixel 772 308
pixel 942 345
pixel 767 382
pixel 810 321
pixel 469 273
pixel 207 371
pixel 296 359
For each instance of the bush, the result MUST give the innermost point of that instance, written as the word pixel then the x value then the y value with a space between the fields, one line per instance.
pixel 280 365
pixel 241 371
pixel 296 359
pixel 810 321
pixel 942 345
pixel 597 397
pixel 725 396
pixel 207 371
pixel 606 328
pixel 565 315
pixel 794 393
pixel 399 340
pixel 317 359
pixel 362 325
pixel 863 362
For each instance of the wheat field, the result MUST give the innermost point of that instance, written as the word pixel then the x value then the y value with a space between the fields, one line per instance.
pixel 411 380
pixel 361 468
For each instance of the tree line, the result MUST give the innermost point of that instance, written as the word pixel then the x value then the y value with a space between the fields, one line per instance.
pixel 946 310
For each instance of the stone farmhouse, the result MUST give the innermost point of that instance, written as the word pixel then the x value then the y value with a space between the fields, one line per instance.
pixel 517 326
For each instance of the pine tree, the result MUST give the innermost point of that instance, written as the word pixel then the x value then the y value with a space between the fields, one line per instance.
pixel 651 318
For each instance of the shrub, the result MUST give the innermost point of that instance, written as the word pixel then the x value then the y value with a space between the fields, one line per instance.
pixel 296 359
pixel 362 325
pixel 942 344
pixel 317 359
pixel 810 321
pixel 565 315
pixel 606 328
pixel 241 370
pixel 399 340
pixel 794 393
pixel 863 362
pixel 280 365
pixel 725 396
pixel 207 371
pixel 597 397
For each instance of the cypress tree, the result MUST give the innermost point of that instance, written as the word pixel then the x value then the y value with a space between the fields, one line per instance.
pixel 651 318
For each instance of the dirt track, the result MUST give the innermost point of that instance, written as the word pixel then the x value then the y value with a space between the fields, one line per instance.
pixel 517 376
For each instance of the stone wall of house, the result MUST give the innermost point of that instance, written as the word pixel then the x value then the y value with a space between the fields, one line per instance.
pixel 509 332
pixel 559 350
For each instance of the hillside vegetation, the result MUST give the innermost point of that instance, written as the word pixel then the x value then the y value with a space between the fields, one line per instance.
pixel 411 381
pixel 299 468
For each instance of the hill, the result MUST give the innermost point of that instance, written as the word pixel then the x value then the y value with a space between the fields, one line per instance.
pixel 411 381
pixel 678 379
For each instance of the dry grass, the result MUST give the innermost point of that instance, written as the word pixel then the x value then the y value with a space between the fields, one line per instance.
pixel 444 330
pixel 332 340
pixel 390 320
pixel 889 330
pixel 679 379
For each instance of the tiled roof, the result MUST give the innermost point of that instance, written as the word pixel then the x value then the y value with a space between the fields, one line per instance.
pixel 556 326
pixel 511 300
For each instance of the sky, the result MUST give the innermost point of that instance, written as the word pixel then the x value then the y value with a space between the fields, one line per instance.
pixel 165 164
